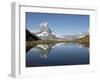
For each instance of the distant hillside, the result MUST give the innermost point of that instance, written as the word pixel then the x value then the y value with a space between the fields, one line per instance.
pixel 84 39
pixel 30 36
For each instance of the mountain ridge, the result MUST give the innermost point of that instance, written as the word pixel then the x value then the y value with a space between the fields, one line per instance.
pixel 46 33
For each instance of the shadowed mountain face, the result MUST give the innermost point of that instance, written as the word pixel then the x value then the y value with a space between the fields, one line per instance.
pixel 30 36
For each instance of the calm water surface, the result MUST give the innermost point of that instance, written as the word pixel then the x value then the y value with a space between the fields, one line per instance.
pixel 57 54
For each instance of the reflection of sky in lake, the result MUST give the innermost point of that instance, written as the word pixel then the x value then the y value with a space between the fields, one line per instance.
pixel 57 54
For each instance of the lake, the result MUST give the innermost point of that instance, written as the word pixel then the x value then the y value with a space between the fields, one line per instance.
pixel 57 54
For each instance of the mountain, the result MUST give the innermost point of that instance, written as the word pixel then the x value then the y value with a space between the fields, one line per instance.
pixel 70 37
pixel 76 36
pixel 30 36
pixel 45 32
pixel 84 39
pixel 83 34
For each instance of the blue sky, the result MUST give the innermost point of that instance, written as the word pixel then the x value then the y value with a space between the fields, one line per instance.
pixel 62 24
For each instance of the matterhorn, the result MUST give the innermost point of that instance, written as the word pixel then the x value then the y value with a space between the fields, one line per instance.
pixel 44 31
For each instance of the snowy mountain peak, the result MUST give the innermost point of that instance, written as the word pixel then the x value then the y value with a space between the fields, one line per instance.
pixel 44 26
pixel 44 31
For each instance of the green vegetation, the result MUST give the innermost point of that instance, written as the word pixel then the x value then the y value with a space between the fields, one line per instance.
pixel 83 40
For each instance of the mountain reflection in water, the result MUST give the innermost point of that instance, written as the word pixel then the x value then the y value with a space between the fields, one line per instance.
pixel 43 54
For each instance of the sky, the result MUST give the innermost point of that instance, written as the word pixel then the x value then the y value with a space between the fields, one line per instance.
pixel 62 24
